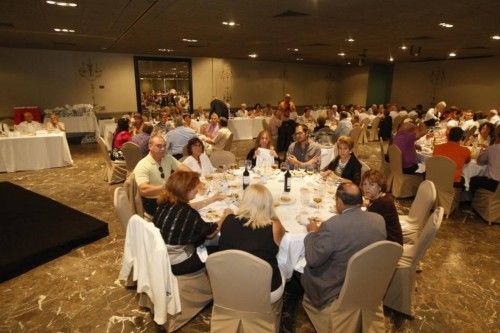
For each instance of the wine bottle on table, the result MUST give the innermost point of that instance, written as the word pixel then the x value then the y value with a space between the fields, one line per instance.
pixel 288 180
pixel 246 177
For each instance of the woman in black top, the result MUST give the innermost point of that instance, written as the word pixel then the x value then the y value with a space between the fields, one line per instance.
pixel 385 126
pixel 345 165
pixel 374 187
pixel 180 224
pixel 256 230
pixel 263 140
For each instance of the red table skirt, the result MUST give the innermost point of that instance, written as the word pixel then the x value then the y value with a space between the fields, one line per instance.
pixel 20 110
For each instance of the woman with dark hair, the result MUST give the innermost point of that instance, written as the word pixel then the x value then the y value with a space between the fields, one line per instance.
pixel 374 189
pixel 385 126
pixel 345 166
pixel 197 160
pixel 257 110
pixel 486 135
pixel 120 136
pixel 181 225
pixel 263 140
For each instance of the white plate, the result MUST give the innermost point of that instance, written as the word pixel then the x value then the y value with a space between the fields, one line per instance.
pixel 286 202
pixel 304 219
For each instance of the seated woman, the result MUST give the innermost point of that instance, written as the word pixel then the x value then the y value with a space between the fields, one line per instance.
pixel 345 165
pixel 257 110
pixel 486 136
pixel 120 136
pixel 374 186
pixel 180 224
pixel 212 129
pixel 197 160
pixel 263 140
pixel 54 124
pixel 256 230
pixel 405 140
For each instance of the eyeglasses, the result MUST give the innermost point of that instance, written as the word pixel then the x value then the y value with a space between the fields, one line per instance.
pixel 162 175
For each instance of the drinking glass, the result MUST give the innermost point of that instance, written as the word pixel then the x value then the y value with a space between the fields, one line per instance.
pixel 284 166
pixel 318 198
pixel 304 196
pixel 248 164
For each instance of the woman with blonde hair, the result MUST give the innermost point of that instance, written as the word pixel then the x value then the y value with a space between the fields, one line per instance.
pixel 345 165
pixel 180 224
pixel 256 230
pixel 263 140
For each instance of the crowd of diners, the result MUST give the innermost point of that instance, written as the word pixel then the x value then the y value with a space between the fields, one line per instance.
pixel 168 179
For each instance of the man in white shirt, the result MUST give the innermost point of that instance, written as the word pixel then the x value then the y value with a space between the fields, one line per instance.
pixel 178 138
pixel 494 118
pixel 393 111
pixel 242 112
pixel 432 116
pixel 29 126
pixel 468 121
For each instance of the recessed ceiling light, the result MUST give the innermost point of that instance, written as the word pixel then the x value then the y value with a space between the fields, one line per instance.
pixel 50 2
pixel 342 54
pixel 452 54
pixel 187 40
pixel 61 3
pixel 391 59
pixel 495 37
pixel 446 25
pixel 253 55
pixel 403 47
pixel 300 59
pixel 230 23
pixel 293 49
pixel 350 40
pixel 63 30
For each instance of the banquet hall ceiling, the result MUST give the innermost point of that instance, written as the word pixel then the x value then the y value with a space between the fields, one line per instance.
pixel 272 29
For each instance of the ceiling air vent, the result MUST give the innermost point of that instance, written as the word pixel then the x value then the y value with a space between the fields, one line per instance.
pixel 290 13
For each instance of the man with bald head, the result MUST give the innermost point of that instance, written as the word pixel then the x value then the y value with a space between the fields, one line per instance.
pixel 329 247
pixel 29 126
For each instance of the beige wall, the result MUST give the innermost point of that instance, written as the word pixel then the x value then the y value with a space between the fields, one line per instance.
pixel 50 78
pixel 353 83
pixel 473 83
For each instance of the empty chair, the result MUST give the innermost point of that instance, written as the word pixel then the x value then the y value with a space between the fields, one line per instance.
pixel 374 129
pixel 384 166
pixel 229 142
pixel 440 170
pixel 403 186
pixel 355 134
pixel 131 154
pixel 116 171
pixel 133 195
pixel 364 167
pixel 241 286
pixel 123 207
pixel 487 204
pixel 400 292
pixel 222 157
pixel 420 209
pixel 364 133
pixel 398 120
pixel 359 305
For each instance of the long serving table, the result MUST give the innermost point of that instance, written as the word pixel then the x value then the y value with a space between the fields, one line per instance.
pixel 86 123
pixel 34 152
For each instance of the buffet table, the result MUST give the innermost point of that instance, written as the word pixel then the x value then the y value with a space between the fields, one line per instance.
pixel 34 152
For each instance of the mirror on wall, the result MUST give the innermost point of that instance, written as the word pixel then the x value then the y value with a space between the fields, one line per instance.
pixel 162 82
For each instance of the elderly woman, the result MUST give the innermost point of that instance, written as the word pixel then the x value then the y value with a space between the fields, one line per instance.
pixel 212 129
pixel 345 165
pixel 54 124
pixel 197 160
pixel 120 136
pixel 256 230
pixel 374 186
pixel 263 140
pixel 405 139
pixel 180 224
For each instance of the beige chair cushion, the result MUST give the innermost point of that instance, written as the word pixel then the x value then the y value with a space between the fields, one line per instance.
pixel 440 170
pixel 359 305
pixel 400 291
pixel 374 130
pixel 487 204
pixel 134 197
pixel 222 157
pixel 116 171
pixel 122 206
pixel 132 155
pixel 403 186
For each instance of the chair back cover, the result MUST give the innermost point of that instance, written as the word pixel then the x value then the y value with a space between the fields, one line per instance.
pixel 355 133
pixel 395 160
pixel 441 170
pixel 229 142
pixel 374 129
pixel 134 197
pixel 403 185
pixel 423 203
pixel 123 206
pixel 398 120
pixel 132 155
pixel 104 151
pixel 222 157
pixel 417 251
pixel 487 204
pixel 265 125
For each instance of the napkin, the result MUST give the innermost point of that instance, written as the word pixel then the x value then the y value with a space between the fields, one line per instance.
pixel 264 158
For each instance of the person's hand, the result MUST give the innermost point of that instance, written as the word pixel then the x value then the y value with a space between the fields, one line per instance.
pixel 217 197
pixel 313 160
pixel 325 174
pixel 293 160
pixel 312 227
pixel 227 212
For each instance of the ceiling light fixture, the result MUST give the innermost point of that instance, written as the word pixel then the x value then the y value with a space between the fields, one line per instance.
pixel 403 47
pixel 292 49
pixel 63 30
pixel 253 55
pixel 495 37
pixel 452 54
pixel 187 40
pixel 350 40
pixel 391 59
pixel 61 4
pixel 446 25
pixel 300 59
pixel 165 50
pixel 230 23
pixel 342 54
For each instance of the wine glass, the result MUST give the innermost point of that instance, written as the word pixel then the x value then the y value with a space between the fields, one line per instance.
pixel 310 170
pixel 248 164
pixel 284 166
pixel 317 198
pixel 304 196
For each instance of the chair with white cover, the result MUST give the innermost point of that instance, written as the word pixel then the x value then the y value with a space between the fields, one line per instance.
pixel 241 286
pixel 222 157
pixel 396 123
pixel 123 207
pixel 134 197
pixel 440 170
pixel 403 185
pixel 359 305
pixel 364 167
pixel 384 166
pixel 487 204
pixel 174 300
pixel 399 294
pixel 355 134
pixel 374 129
pixel 420 209
pixel 131 154
pixel 229 142
pixel 364 133
pixel 116 171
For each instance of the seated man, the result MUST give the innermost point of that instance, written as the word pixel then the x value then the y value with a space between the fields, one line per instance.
pixel 29 126
pixel 178 138
pixel 344 127
pixel 455 152
pixel 491 158
pixel 54 124
pixel 220 139
pixel 329 247
pixel 303 152
pixel 164 125
pixel 142 139
pixel 152 172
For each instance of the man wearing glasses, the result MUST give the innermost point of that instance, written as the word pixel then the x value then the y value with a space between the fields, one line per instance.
pixel 303 152
pixel 152 172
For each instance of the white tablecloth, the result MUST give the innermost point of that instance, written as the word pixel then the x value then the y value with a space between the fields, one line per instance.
pixel 34 152
pixel 103 123
pixel 81 124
